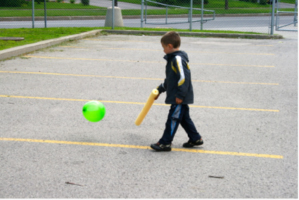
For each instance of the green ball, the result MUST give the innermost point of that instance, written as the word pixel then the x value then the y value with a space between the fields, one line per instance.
pixel 94 111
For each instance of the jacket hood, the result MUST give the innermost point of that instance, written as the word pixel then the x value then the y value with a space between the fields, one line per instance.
pixel 177 53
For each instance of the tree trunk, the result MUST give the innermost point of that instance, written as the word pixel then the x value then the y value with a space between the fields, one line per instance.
pixel 226 4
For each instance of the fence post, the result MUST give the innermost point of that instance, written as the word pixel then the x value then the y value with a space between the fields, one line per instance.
pixel 142 4
pixel 296 13
pixel 272 17
pixel 191 9
pixel 45 13
pixel 32 13
pixel 113 2
pixel 166 14
pixel 201 22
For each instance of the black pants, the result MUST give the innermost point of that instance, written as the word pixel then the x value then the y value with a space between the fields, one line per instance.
pixel 179 114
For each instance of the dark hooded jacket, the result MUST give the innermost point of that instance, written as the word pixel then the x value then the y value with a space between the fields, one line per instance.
pixel 178 79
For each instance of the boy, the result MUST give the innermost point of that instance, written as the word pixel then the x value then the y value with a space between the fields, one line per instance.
pixel 179 93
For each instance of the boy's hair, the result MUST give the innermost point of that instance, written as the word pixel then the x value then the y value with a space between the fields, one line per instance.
pixel 173 38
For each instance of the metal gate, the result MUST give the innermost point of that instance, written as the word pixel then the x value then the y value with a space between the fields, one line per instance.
pixel 190 20
pixel 292 26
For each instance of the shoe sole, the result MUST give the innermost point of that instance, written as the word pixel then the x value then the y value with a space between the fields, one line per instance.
pixel 159 149
pixel 192 145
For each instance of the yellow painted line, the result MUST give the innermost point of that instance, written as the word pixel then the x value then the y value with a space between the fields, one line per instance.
pixel 79 75
pixel 256 54
pixel 138 103
pixel 125 41
pixel 126 49
pixel 91 59
pixel 121 77
pixel 233 108
pixel 134 41
pixel 233 65
pixel 201 52
pixel 142 147
pixel 136 61
pixel 231 82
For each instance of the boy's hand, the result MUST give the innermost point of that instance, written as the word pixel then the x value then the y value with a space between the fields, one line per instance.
pixel 178 101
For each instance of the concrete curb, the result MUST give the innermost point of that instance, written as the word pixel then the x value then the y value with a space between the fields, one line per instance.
pixel 222 35
pixel 16 51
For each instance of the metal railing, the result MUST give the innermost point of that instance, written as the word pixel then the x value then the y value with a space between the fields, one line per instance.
pixel 190 14
pixel 240 15
pixel 294 22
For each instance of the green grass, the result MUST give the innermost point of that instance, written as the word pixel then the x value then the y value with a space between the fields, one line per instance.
pixel 220 3
pixel 232 4
pixel 52 5
pixel 182 30
pixel 36 35
pixel 212 4
pixel 39 34
pixel 287 1
pixel 67 12
pixel 53 9
pixel 40 13
pixel 217 10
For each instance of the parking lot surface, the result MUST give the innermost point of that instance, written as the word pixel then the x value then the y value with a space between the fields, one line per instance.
pixel 245 108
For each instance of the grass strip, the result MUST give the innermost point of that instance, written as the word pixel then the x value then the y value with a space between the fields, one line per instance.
pixel 102 12
pixel 39 34
pixel 183 30
pixel 52 5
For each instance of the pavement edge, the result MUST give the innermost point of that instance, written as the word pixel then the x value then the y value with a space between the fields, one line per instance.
pixel 16 51
pixel 196 34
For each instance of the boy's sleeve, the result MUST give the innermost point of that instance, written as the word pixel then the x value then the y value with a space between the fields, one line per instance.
pixel 162 88
pixel 183 74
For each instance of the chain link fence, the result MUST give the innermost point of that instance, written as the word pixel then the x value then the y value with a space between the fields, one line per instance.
pixel 234 15
pixel 292 21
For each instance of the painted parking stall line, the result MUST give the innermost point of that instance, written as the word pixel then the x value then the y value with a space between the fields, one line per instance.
pixel 142 147
pixel 141 61
pixel 122 77
pixel 138 103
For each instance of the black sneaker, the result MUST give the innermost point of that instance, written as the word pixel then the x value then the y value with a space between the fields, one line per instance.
pixel 161 147
pixel 190 144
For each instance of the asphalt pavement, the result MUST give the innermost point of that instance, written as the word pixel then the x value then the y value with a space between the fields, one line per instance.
pixel 245 108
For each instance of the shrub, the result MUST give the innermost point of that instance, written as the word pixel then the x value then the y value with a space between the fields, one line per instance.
pixel 263 2
pixel 199 1
pixel 10 3
pixel 85 2
pixel 72 1
pixel 25 3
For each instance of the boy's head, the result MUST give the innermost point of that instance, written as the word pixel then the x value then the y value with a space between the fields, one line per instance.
pixel 171 42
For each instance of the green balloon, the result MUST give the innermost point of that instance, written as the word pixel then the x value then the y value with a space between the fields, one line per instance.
pixel 94 111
